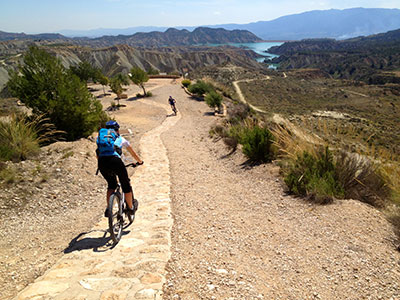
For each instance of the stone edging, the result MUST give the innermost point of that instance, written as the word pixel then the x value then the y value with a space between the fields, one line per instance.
pixel 135 267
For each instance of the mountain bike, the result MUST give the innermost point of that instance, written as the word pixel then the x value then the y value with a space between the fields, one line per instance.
pixel 117 207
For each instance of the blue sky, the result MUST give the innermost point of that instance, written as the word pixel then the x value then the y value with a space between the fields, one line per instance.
pixel 39 16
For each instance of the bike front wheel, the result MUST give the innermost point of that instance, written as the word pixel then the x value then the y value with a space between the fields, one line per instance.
pixel 115 217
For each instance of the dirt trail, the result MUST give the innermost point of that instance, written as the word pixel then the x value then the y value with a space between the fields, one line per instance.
pixel 237 235
pixel 242 98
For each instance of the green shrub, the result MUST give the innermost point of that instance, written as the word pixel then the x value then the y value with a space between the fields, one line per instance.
pixel 213 99
pixel 258 144
pixel 149 94
pixel 186 82
pixel 44 85
pixel 314 176
pixel 200 88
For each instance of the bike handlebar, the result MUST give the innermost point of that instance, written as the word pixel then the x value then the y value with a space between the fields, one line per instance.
pixel 133 165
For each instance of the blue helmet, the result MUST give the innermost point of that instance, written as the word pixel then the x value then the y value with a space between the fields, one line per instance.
pixel 112 125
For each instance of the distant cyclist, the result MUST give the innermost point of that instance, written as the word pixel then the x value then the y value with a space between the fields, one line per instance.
pixel 111 165
pixel 172 102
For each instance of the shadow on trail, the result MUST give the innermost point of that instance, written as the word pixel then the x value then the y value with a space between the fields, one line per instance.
pixel 199 99
pixel 98 244
pixel 133 98
pixel 249 164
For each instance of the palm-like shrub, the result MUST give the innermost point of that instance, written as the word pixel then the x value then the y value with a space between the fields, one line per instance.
pixel 24 135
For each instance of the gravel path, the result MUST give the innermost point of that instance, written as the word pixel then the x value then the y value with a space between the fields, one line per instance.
pixel 237 235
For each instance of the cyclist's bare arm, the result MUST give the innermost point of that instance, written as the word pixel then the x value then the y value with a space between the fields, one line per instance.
pixel 134 155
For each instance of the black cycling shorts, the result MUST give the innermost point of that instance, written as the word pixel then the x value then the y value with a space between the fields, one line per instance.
pixel 111 167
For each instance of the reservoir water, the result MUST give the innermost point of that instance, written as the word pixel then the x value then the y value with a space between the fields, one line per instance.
pixel 259 48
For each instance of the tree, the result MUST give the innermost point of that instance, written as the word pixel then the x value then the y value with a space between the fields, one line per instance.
pixel 139 77
pixel 86 71
pixel 116 87
pixel 103 81
pixel 122 78
pixel 44 85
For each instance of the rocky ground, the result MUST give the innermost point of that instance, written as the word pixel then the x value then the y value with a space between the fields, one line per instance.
pixel 236 233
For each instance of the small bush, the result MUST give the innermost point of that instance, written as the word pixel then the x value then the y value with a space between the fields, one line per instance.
pixel 213 99
pixel 258 144
pixel 314 176
pixel 8 175
pixel 220 130
pixel 186 82
pixel 200 88
pixel 238 112
pixel 149 94
pixel 226 94
pixel 231 142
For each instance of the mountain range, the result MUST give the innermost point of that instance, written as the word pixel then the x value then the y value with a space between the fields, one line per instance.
pixel 174 37
pixel 334 23
pixel 171 37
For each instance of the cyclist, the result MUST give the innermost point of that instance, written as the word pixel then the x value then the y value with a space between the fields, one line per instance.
pixel 111 166
pixel 172 102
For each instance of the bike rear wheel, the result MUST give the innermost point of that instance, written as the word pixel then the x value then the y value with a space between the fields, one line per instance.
pixel 115 217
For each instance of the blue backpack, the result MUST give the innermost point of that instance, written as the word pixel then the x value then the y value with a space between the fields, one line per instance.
pixel 106 143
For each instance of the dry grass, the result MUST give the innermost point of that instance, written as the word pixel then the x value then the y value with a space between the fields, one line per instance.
pixel 363 177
